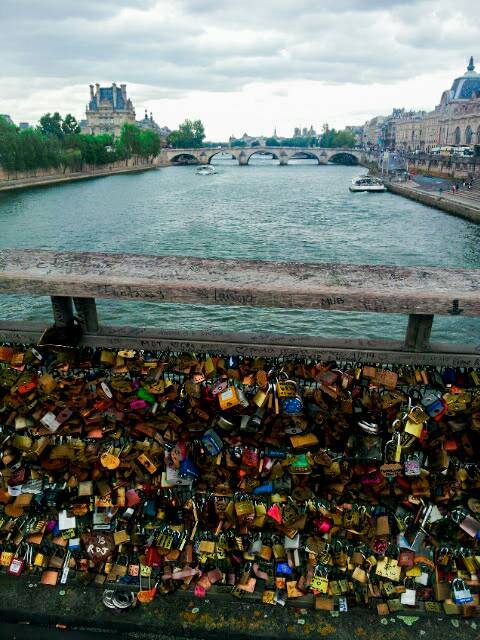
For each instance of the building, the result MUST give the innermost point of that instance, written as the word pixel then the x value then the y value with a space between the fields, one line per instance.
pixel 24 125
pixel 149 123
pixel 409 130
pixel 304 132
pixel 108 109
pixel 357 132
pixel 455 121
pixel 372 135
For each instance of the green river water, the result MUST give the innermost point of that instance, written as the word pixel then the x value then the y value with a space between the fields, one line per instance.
pixel 301 212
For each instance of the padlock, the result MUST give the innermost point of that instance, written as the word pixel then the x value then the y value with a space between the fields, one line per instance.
pixel 412 464
pixel 319 582
pixel 460 592
pixel 409 596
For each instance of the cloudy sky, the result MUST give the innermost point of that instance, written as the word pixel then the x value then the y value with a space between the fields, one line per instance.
pixel 239 65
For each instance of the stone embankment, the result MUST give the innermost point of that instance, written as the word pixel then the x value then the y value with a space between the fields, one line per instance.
pixel 26 181
pixel 463 204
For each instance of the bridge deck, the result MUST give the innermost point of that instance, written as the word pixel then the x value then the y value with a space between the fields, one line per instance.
pixel 345 287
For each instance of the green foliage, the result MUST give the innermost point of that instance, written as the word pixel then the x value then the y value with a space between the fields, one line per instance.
pixel 189 135
pixel 332 138
pixel 238 143
pixel 149 143
pixel 255 143
pixel 58 143
pixel 130 140
pixel 70 125
pixel 301 141
pixel 272 142
pixel 52 125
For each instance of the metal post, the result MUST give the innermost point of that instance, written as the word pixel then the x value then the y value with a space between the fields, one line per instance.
pixel 87 313
pixel 418 333
pixel 62 310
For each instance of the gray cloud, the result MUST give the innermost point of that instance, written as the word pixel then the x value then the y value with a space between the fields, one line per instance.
pixel 174 46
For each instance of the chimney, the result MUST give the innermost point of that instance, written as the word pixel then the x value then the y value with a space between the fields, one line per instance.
pixel 123 88
pixel 114 95
pixel 91 91
pixel 97 90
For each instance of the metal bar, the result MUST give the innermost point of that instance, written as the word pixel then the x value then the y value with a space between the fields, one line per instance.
pixel 418 333
pixel 87 313
pixel 62 310
pixel 274 345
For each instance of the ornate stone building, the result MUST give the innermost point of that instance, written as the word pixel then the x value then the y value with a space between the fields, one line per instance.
pixel 455 121
pixel 108 109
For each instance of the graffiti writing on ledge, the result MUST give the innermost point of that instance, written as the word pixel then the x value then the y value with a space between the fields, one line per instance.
pixel 233 297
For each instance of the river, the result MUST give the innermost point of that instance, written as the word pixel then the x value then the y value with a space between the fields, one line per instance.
pixel 301 212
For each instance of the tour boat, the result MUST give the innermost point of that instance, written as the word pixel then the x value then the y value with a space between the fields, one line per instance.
pixel 367 183
pixel 206 170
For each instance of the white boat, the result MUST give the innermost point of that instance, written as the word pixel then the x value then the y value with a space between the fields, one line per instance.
pixel 367 183
pixel 205 170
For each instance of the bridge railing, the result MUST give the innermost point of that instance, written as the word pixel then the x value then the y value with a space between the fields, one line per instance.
pixel 74 280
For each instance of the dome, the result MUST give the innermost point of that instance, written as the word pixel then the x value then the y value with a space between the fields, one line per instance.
pixel 464 87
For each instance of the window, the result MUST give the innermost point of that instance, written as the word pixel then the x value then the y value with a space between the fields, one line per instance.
pixel 457 135
pixel 468 135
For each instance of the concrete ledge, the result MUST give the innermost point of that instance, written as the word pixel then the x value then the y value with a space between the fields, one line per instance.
pixel 214 618
pixel 459 209
pixel 11 185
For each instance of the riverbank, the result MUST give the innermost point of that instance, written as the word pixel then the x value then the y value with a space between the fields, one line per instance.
pixel 40 181
pixel 462 206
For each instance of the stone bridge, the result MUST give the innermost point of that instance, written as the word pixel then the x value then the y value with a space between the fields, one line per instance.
pixel 205 155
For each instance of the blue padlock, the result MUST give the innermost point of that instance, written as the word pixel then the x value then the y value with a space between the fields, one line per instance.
pixel 292 406
pixel 212 442
pixel 188 470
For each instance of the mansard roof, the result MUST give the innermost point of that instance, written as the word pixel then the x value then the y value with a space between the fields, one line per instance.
pixel 106 95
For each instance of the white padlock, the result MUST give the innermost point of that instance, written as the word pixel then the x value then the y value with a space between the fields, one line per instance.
pixel 409 596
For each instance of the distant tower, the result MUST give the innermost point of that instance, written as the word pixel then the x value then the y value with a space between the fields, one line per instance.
pixel 471 66
pixel 275 132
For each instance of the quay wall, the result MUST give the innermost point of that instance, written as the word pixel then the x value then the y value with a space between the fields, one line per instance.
pixel 439 167
pixel 459 209
pixel 39 177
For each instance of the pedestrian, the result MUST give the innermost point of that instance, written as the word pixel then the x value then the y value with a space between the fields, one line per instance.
pixel 457 187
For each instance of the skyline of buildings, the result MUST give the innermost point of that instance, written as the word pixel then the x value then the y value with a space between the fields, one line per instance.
pixel 454 121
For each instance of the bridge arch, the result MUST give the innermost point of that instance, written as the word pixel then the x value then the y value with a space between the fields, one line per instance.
pixel 343 157
pixel 225 151
pixel 263 151
pixel 184 158
pixel 304 155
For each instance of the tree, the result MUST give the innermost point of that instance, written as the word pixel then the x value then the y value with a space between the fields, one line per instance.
pixel 149 143
pixel 255 143
pixel 332 138
pixel 189 135
pixel 8 145
pixel 272 142
pixel 130 140
pixel 52 124
pixel 70 125
pixel 238 143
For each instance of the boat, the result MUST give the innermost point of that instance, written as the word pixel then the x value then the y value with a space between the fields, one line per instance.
pixel 205 170
pixel 367 183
